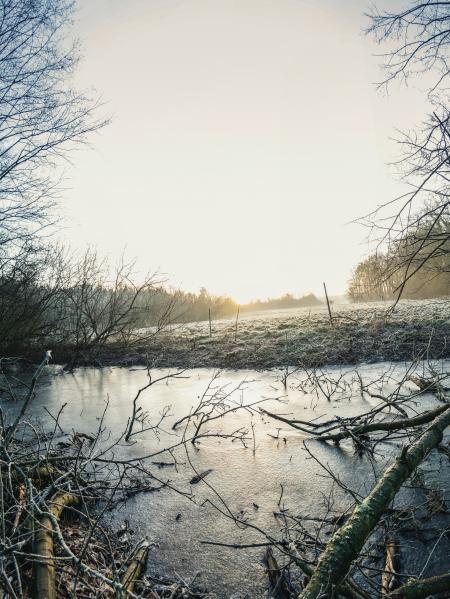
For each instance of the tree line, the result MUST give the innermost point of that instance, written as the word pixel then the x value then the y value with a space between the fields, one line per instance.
pixel 50 297
pixel 415 265
pixel 288 300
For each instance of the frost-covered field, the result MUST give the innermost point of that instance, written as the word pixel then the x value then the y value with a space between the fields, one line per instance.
pixel 361 333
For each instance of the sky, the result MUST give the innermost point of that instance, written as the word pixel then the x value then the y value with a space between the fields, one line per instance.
pixel 246 135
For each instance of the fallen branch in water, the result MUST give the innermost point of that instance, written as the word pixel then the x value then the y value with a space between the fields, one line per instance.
pixel 350 429
pixel 216 402
pixel 387 426
pixel 429 385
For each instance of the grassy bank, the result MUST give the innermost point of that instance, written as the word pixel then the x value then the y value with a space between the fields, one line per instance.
pixel 360 333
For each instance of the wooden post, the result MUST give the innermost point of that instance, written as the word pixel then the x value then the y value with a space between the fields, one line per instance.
pixel 328 305
pixel 236 325
pixel 210 325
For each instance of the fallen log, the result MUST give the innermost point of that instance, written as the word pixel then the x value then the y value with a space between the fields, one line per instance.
pixel 347 542
pixel 419 589
pixel 136 567
pixel 44 569
pixel 348 590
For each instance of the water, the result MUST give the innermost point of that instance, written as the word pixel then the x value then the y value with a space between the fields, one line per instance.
pixel 273 462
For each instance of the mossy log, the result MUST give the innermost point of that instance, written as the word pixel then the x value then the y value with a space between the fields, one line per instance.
pixel 44 569
pixel 347 542
pixel 349 589
pixel 419 589
pixel 136 567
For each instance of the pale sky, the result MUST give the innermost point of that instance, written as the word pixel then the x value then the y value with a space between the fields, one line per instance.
pixel 245 135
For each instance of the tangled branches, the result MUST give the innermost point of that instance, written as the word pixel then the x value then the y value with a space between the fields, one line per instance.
pixel 54 490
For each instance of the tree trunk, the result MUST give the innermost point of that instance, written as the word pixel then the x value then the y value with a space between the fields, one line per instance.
pixel 348 541
pixel 419 589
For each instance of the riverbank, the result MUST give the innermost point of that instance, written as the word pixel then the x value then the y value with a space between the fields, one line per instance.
pixel 260 340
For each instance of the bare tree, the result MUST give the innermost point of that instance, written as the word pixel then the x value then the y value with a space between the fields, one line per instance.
pixel 420 35
pixel 41 117
pixel 32 300
pixel 417 262
pixel 106 305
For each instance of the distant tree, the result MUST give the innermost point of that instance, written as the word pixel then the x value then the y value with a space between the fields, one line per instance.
pixel 287 300
pixel 368 280
pixel 379 276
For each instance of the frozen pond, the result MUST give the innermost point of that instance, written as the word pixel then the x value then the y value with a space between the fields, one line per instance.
pixel 247 481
